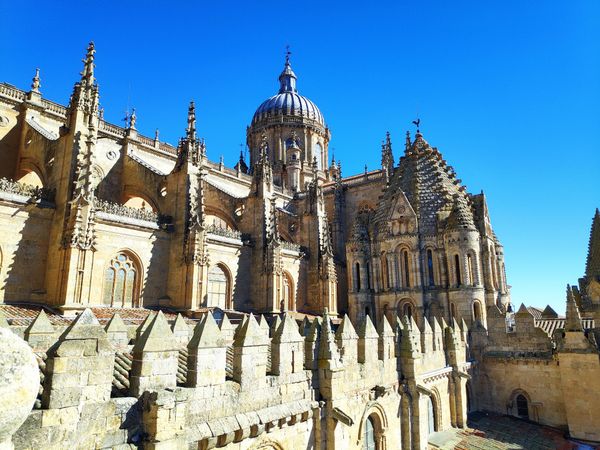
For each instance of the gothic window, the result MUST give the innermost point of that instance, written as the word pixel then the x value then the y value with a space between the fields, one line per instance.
pixel 218 288
pixel 357 277
pixel 430 268
pixel 369 435
pixel 318 154
pixel 494 273
pixel 385 272
pixel 368 276
pixel 471 270
pixel 457 269
pixel 431 416
pixel 522 407
pixel 121 282
pixel 407 310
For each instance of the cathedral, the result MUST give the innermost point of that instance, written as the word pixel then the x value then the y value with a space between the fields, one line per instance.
pixel 277 304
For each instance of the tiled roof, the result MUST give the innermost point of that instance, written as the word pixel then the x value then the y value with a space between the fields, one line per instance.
pixel 551 325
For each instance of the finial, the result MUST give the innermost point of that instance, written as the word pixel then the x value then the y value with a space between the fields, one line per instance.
pixel 366 169
pixel 35 85
pixel 101 113
pixel 287 79
pixel 388 140
pixel 88 69
pixel 221 160
pixel 408 143
pixel 132 119
pixel 191 122
pixel 156 134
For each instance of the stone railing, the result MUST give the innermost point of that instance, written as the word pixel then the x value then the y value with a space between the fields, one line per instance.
pixel 145 140
pixel 134 216
pixel 25 191
pixel 112 129
pixel 12 92
pixel 54 108
pixel 290 246
pixel 167 148
pixel 224 232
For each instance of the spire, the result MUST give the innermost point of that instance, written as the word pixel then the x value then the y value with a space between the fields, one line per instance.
pixel 592 265
pixel 87 76
pixel 573 319
pixel 387 157
pixel 241 166
pixel 287 79
pixel 190 131
pixel 35 85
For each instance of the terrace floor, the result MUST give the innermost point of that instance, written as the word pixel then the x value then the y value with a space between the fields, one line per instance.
pixel 495 432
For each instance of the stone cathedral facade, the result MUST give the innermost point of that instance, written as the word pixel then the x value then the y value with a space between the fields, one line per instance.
pixel 384 310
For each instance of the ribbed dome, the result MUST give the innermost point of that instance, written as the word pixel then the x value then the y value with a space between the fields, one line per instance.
pixel 288 102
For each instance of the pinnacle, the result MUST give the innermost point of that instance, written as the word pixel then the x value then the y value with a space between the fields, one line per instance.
pixel 115 324
pixel 250 333
pixel 287 331
pixel 523 311
pixel 226 324
pixel 573 319
pixel 549 313
pixel 206 334
pixel 367 330
pixel 180 324
pixel 85 326
pixel 385 329
pixel 592 266
pixel 40 325
pixel 346 330
pixel 157 337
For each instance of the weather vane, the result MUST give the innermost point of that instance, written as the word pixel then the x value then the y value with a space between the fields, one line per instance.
pixel 287 53
pixel 417 123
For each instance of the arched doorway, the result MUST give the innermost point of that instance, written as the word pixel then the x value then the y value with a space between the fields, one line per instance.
pixel 431 422
pixel 219 287
pixel 522 407
pixel 121 282
pixel 288 292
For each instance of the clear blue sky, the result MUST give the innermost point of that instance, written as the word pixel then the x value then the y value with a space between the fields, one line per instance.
pixel 508 91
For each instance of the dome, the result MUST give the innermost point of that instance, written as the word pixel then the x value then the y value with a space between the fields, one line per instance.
pixel 288 102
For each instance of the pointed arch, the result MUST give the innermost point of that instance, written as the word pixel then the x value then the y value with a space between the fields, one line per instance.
pixel 288 291
pixel 123 280
pixel 372 428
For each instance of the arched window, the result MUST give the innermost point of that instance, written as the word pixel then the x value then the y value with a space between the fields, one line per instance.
pixel 477 310
pixel 369 435
pixel 318 154
pixel 432 428
pixel 430 268
pixel 457 269
pixel 288 292
pixel 357 277
pixel 406 268
pixel 368 276
pixel 121 282
pixel 471 270
pixel 407 310
pixel 522 406
pixel 385 272
pixel 218 287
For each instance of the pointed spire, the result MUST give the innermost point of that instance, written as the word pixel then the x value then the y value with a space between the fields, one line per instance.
pixel 206 334
pixel 35 85
pixel 287 79
pixel 592 265
pixel 366 329
pixel 346 330
pixel 40 325
pixel 142 328
pixel 241 166
pixel 287 331
pixel 180 325
pixel 573 319
pixel 329 355
pixel 115 325
pixel 549 313
pixel 87 76
pixel 250 333
pixel 84 326
pixel 157 337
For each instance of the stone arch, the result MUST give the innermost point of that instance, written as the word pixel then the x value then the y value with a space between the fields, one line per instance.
pixel 404 262
pixel 267 444
pixel 435 403
pixel 220 219
pixel 123 280
pixel 30 174
pixel 406 307
pixel 520 405
pixel 288 291
pixel 135 198
pixel 219 288
pixel 375 413
pixel 430 266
